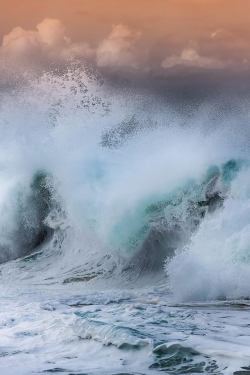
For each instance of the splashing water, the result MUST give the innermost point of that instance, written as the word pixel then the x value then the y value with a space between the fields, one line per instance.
pixel 103 191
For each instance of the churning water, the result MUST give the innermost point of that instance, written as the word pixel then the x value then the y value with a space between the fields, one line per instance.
pixel 124 232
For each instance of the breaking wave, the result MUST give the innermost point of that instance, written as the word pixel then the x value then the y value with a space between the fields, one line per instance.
pixel 103 186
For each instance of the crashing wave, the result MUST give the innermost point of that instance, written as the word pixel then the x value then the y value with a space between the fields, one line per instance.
pixel 91 193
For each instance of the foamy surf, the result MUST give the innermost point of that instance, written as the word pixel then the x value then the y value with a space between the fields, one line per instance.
pixel 108 223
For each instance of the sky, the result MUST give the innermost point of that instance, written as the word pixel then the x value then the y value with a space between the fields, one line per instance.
pixel 198 39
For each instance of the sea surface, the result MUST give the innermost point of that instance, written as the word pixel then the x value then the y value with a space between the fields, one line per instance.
pixel 124 231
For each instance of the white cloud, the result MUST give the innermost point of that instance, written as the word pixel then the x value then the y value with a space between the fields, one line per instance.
pixel 119 48
pixel 190 57
pixel 48 40
pixel 52 32
pixel 125 49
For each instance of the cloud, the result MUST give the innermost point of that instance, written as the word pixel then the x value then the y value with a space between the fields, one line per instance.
pixel 190 57
pixel 120 48
pixel 217 49
pixel 47 41
pixel 127 49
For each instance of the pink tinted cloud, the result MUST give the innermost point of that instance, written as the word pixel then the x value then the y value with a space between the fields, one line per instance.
pixel 47 41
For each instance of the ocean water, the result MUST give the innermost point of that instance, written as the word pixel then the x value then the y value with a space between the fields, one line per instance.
pixel 124 231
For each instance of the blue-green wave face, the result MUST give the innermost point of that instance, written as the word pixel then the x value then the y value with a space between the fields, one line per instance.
pixel 29 203
pixel 195 198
